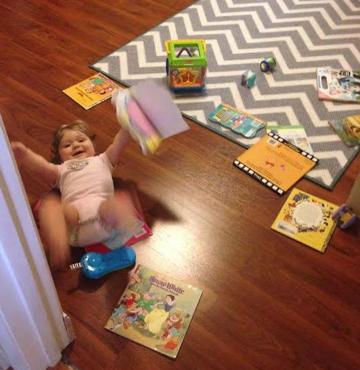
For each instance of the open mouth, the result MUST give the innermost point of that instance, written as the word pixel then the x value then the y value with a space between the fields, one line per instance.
pixel 78 153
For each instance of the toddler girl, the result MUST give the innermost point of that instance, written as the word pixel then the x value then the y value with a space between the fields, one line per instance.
pixel 89 211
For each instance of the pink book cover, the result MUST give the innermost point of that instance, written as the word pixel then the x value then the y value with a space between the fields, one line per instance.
pixel 118 241
pixel 157 104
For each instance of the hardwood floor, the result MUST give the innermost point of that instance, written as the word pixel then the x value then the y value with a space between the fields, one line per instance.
pixel 269 302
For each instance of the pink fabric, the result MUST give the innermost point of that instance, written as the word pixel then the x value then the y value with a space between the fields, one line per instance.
pixel 85 184
pixel 79 178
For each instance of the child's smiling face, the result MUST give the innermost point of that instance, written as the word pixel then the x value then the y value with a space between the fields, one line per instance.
pixel 75 145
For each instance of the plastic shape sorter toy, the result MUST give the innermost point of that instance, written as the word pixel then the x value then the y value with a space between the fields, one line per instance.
pixel 186 65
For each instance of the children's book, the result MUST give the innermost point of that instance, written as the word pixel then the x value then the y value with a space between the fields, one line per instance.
pixel 236 120
pixel 276 163
pixel 119 239
pixel 92 91
pixel 294 134
pixel 147 110
pixel 348 129
pixel 306 219
pixel 338 85
pixel 155 310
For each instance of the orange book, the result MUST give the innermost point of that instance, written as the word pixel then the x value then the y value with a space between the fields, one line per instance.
pixel 276 163
pixel 92 91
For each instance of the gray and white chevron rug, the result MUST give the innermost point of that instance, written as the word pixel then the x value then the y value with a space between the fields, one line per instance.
pixel 301 34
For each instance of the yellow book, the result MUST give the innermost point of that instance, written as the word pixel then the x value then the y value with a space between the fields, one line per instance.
pixel 306 219
pixel 276 163
pixel 92 91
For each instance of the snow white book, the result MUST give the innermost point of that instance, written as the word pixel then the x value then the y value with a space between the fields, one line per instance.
pixel 155 310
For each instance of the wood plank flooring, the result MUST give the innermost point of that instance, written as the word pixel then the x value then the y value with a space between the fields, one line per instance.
pixel 269 303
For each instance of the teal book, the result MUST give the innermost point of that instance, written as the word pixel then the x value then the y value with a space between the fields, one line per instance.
pixel 240 122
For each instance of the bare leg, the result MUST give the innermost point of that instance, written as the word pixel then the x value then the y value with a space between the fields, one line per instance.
pixel 71 216
pixel 118 212
pixel 54 230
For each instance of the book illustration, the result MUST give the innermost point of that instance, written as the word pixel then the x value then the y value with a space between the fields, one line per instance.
pixel 155 310
pixel 92 91
pixel 275 162
pixel 236 120
pixel 294 134
pixel 306 219
pixel 338 85
pixel 118 239
pixel 348 129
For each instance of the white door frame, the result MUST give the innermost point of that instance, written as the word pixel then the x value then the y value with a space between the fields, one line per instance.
pixel 32 331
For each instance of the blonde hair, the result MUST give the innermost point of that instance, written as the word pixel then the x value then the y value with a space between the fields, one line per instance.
pixel 77 125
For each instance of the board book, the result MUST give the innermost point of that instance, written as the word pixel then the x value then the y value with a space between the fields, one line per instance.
pixel 92 91
pixel 294 134
pixel 155 310
pixel 338 85
pixel 147 110
pixel 236 120
pixel 275 163
pixel 348 129
pixel 306 219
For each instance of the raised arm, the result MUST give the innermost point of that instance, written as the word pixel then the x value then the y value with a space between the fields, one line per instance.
pixel 114 151
pixel 34 163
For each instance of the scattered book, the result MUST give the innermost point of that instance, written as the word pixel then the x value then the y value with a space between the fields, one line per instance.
pixel 348 129
pixel 236 120
pixel 155 310
pixel 294 134
pixel 118 239
pixel 306 219
pixel 275 162
pixel 92 91
pixel 338 85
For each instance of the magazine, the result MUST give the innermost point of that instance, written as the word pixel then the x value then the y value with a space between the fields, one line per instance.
pixel 348 129
pixel 155 310
pixel 236 120
pixel 306 219
pixel 338 85
pixel 92 91
pixel 275 163
pixel 294 134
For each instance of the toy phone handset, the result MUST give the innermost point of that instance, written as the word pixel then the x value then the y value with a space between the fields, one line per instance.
pixel 95 265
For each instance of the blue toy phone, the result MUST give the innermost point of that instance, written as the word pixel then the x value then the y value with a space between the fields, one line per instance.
pixel 95 265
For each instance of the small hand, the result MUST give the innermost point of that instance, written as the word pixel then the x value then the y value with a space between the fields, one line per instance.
pixel 19 150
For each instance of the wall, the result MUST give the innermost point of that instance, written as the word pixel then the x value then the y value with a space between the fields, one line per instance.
pixel 32 332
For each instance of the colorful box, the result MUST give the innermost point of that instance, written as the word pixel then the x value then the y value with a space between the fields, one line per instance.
pixel 186 65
